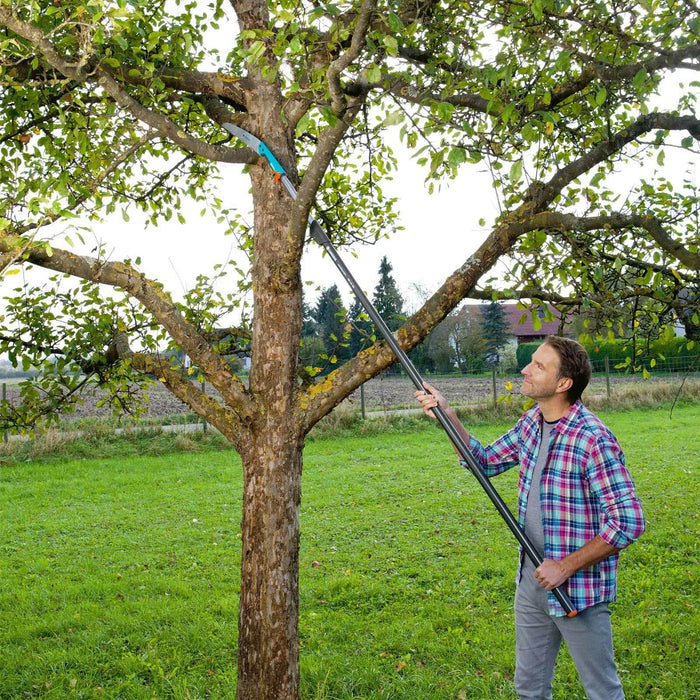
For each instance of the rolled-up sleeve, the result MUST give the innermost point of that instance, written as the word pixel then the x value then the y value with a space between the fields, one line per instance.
pixel 610 481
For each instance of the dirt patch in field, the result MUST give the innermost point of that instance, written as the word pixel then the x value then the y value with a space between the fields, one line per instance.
pixel 385 392
pixel 396 391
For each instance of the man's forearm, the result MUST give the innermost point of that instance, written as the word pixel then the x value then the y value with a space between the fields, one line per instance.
pixel 552 574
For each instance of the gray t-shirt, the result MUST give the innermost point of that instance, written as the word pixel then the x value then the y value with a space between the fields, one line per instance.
pixel 533 513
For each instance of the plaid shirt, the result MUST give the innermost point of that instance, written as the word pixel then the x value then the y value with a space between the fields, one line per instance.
pixel 586 491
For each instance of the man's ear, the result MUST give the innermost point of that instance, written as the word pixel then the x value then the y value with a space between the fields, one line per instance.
pixel 564 384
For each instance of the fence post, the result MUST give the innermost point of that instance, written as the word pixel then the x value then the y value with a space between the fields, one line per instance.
pixel 607 377
pixel 493 381
pixel 362 400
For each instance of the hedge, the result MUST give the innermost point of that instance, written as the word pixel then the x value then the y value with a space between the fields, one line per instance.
pixel 665 355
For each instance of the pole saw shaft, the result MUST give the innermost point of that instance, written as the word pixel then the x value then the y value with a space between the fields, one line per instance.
pixel 320 236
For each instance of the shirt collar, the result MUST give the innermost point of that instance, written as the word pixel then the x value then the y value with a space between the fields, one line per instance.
pixel 566 421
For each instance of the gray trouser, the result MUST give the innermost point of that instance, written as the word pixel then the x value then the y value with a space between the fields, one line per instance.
pixel 538 635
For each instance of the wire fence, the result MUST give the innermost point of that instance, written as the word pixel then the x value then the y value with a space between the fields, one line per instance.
pixel 394 389
pixel 657 365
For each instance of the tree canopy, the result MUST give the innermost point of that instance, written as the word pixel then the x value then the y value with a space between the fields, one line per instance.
pixel 581 114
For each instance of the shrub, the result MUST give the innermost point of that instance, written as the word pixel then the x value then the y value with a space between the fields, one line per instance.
pixel 665 354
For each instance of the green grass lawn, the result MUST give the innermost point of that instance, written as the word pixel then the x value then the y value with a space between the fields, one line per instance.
pixel 119 577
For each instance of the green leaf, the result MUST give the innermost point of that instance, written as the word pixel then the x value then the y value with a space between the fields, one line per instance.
pixel 373 73
pixel 394 21
pixel 391 45
pixel 456 156
pixel 303 124
pixel 639 79
pixel 394 118
pixel 445 111
pixel 516 172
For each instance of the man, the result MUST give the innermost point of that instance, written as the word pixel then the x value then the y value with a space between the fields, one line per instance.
pixel 577 504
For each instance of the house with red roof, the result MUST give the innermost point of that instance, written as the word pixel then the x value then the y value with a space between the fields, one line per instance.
pixel 521 322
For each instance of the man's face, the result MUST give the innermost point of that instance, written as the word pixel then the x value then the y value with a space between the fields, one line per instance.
pixel 540 377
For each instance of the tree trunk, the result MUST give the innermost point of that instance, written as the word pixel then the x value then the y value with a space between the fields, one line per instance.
pixel 268 646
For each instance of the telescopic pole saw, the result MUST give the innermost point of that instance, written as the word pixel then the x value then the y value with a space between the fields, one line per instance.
pixel 320 236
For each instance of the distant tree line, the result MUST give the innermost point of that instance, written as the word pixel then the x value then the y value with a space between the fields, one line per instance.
pixel 468 342
pixel 334 332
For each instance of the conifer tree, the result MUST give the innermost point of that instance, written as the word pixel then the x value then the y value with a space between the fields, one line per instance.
pixel 495 331
pixel 387 299
pixel 332 325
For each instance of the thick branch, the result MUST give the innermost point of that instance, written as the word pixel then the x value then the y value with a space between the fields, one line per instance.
pixel 234 91
pixel 618 221
pixel 644 124
pixel 611 73
pixel 404 90
pixel 151 295
pixel 338 99
pixel 167 127
pixel 320 161
pixel 80 72
pixel 187 391
pixel 559 299
pixel 75 70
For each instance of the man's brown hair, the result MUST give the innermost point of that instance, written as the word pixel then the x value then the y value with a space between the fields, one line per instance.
pixel 574 364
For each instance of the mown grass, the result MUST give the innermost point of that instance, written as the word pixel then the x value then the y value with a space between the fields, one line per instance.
pixel 120 575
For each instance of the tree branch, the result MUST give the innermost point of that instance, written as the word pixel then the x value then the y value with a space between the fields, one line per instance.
pixel 151 295
pixel 232 90
pixel 338 98
pixel 617 221
pixel 643 124
pixel 79 71
pixel 51 216
pixel 206 406
pixel 167 127
pixel 401 88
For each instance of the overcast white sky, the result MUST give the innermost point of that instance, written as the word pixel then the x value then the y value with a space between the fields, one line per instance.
pixel 440 232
